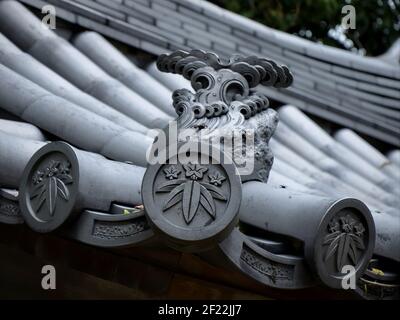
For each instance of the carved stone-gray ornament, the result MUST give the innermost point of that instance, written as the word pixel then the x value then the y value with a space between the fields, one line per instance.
pixel 263 261
pixel 346 237
pixel 10 212
pixel 60 181
pixel 49 188
pixel 114 229
pixel 192 205
pixel 226 103
pixel 334 232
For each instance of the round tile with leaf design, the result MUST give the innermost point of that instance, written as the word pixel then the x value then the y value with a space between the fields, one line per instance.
pixel 193 204
pixel 49 187
pixel 345 240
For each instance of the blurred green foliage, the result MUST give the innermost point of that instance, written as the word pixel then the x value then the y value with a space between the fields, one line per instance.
pixel 377 21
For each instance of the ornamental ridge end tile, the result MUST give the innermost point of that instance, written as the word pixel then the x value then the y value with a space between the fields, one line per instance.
pixel 192 205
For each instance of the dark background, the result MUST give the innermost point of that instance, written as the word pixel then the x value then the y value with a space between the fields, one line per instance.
pixel 377 21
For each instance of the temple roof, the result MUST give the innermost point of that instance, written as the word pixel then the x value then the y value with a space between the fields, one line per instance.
pixel 358 92
pixel 99 69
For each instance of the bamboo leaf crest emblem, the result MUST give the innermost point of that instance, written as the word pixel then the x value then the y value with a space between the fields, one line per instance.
pixel 345 239
pixel 50 184
pixel 191 191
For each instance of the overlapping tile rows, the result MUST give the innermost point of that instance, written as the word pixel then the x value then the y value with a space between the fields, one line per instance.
pixel 362 93
pixel 68 90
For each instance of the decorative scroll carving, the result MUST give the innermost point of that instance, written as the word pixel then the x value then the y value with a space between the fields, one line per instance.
pixel 255 70
pixel 123 226
pixel 225 101
pixel 117 230
pixel 274 270
pixel 10 212
pixel 9 209
pixel 195 203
